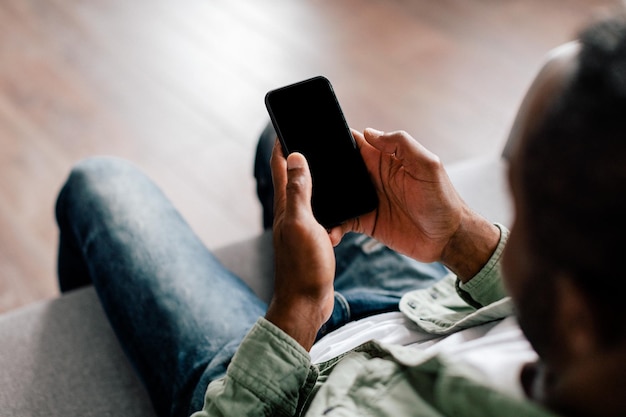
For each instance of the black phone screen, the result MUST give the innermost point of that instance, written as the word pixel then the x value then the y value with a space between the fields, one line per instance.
pixel 308 119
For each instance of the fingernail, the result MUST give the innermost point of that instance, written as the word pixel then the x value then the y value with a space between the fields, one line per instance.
pixel 293 161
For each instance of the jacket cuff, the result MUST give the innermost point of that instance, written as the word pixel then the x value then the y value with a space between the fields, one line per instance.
pixel 271 370
pixel 486 287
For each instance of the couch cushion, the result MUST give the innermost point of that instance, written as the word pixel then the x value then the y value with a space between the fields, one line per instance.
pixel 253 261
pixel 61 358
pixel 483 184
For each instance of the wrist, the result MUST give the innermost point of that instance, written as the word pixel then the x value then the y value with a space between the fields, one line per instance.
pixel 471 246
pixel 300 319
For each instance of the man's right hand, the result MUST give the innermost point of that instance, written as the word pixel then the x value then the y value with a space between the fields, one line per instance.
pixel 420 213
pixel 303 297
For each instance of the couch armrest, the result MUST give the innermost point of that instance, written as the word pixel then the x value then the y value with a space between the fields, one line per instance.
pixel 61 358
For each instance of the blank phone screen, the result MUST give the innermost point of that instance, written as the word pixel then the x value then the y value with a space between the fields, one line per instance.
pixel 308 119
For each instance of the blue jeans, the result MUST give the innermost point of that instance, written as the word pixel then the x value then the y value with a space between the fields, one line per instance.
pixel 178 313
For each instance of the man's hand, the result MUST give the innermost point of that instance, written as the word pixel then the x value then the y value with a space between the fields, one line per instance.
pixel 420 213
pixel 304 259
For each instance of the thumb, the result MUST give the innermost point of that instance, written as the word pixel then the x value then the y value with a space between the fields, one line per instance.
pixel 299 186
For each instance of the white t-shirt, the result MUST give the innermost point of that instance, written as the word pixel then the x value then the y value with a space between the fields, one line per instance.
pixel 497 349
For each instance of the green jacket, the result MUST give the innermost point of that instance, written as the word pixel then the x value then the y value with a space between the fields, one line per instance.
pixel 272 375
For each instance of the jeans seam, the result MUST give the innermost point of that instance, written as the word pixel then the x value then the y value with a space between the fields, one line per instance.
pixel 344 303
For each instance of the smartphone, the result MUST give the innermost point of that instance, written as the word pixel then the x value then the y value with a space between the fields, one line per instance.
pixel 308 119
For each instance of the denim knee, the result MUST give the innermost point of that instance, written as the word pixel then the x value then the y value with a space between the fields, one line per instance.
pixel 87 180
pixel 79 200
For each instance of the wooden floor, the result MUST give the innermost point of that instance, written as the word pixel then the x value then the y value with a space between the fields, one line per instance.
pixel 178 86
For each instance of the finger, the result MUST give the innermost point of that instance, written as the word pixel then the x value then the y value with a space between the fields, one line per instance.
pixel 364 147
pixel 298 188
pixel 358 138
pixel 350 225
pixel 336 234
pixel 415 158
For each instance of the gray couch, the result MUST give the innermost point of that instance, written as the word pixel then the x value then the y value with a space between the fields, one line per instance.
pixel 61 358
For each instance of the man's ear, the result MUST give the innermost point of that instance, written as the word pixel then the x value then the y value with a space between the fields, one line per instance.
pixel 575 319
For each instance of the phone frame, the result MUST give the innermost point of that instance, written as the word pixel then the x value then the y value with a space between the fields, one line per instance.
pixel 354 204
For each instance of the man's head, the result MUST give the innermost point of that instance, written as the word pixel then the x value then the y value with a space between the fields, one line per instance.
pixel 568 176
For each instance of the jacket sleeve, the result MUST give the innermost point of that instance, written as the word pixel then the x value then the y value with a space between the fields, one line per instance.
pixel 270 375
pixel 450 306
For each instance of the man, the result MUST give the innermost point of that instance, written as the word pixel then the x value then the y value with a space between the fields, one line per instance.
pixel 182 318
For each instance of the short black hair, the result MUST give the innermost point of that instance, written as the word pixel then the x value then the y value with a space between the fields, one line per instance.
pixel 574 176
